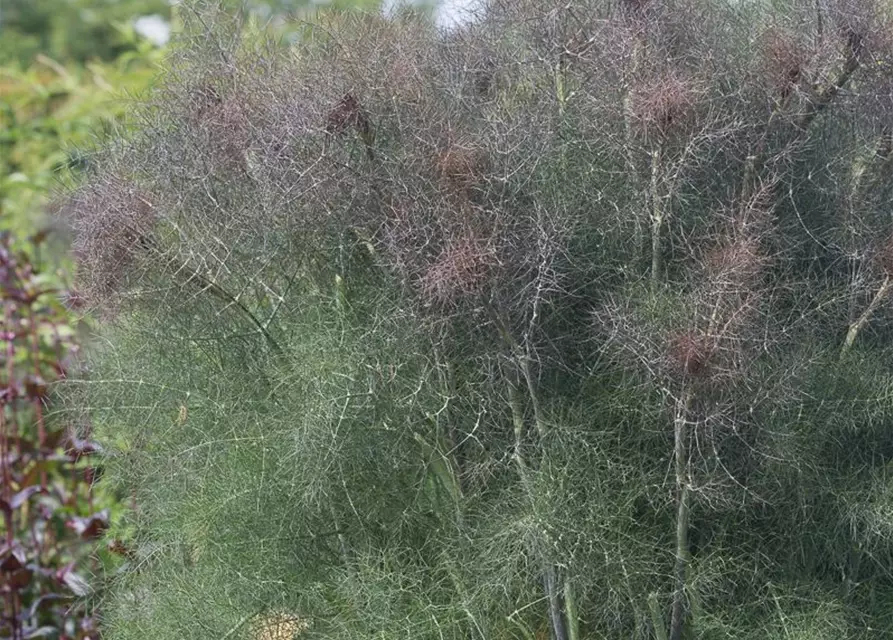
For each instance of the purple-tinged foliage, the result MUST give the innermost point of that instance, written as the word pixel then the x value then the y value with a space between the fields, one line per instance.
pixel 45 493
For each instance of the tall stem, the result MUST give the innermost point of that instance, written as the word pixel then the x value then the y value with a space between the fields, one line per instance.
pixel 638 53
pixel 550 572
pixel 551 584
pixel 657 217
pixel 570 611
pixel 560 90
pixel 657 617
pixel 827 95
pixel 683 499
pixel 856 325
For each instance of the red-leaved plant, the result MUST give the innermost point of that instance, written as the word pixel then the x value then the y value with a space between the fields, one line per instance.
pixel 45 496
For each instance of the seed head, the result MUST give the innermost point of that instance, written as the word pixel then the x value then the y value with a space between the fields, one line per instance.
pixel 689 354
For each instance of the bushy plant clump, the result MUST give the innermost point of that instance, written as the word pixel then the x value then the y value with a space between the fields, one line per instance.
pixel 569 323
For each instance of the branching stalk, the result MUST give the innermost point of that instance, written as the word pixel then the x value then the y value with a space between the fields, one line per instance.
pixel 657 617
pixel 827 95
pixel 638 53
pixel 151 246
pixel 550 576
pixel 856 326
pixel 560 89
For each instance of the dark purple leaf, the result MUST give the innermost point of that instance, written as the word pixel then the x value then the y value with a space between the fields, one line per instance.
pixel 18 499
pixel 88 627
pixel 90 527
pixel 33 474
pixel 35 387
pixel 12 557
pixel 53 439
pixel 118 547
pixel 40 235
pixel 92 474
pixel 17 579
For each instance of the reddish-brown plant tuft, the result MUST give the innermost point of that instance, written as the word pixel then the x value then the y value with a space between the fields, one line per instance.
pixel 736 262
pixel 113 222
pixel 634 8
pixel 737 258
pixel 201 101
pixel 226 133
pixel 345 115
pixel 863 28
pixel 460 269
pixel 461 168
pixel 784 61
pixel 664 105
pixel 349 114
pixel 689 354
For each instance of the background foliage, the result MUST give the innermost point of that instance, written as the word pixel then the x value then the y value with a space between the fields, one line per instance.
pixel 70 30
pixel 47 502
pixel 51 117
pixel 52 110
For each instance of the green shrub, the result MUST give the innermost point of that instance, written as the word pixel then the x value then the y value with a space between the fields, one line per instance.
pixel 571 323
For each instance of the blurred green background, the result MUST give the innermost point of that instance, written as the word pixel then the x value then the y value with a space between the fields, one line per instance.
pixel 70 30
